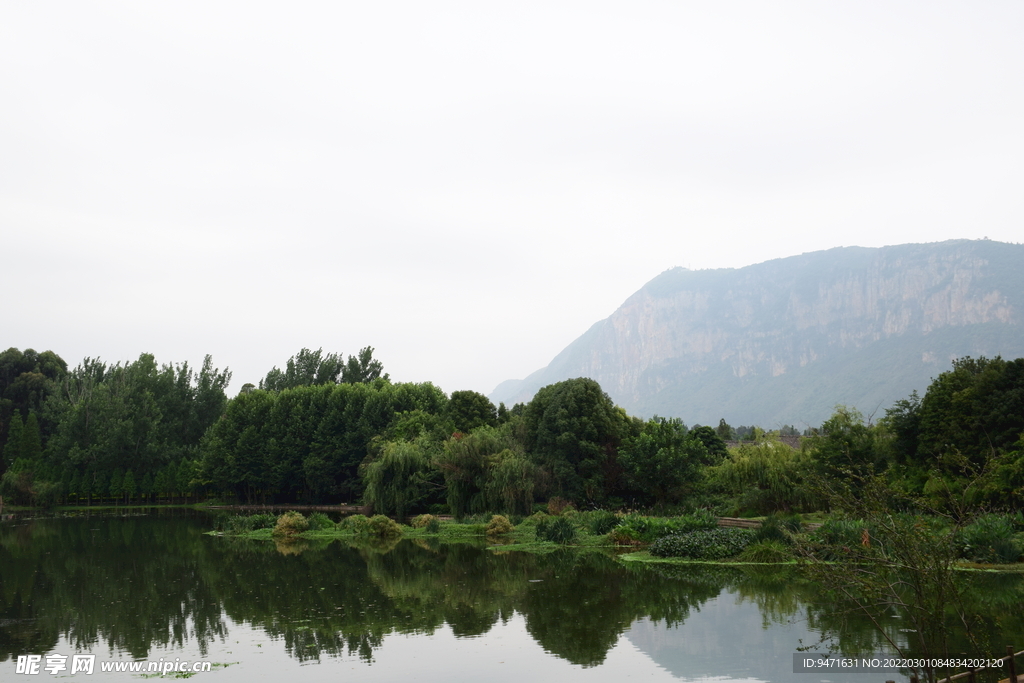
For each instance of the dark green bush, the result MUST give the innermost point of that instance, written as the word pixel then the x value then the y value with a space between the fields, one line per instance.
pixel 319 521
pixel 433 526
pixel 557 530
pixel 601 522
pixel 778 529
pixel 703 544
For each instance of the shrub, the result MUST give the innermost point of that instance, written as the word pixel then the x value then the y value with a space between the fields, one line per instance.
pixel 703 544
pixel 990 540
pixel 383 527
pixel 558 530
pixel 536 518
pixel 291 523
pixel 263 520
pixel 433 526
pixel 700 519
pixel 421 521
pixel 602 522
pixel 778 529
pixel 499 525
pixel 355 523
pixel 767 552
pixel 318 521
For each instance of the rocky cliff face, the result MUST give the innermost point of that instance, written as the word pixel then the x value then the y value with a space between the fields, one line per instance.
pixel 849 325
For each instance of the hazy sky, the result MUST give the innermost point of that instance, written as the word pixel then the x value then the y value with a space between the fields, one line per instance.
pixel 469 186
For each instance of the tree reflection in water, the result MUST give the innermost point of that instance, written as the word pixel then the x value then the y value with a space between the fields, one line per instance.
pixel 144 582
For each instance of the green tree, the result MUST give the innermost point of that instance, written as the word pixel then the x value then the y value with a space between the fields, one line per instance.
pixel 31 443
pixel 768 476
pixel 12 449
pixel 129 487
pixel 395 482
pixel 116 485
pixel 573 431
pixel 306 368
pixel 713 443
pixel 469 410
pixel 663 460
pixel 363 368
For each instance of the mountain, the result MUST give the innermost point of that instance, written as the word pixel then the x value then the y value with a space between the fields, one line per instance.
pixel 785 341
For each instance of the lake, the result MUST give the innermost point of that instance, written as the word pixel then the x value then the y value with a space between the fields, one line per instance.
pixel 154 587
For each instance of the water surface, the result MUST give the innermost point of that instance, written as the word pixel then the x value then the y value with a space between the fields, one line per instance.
pixel 146 587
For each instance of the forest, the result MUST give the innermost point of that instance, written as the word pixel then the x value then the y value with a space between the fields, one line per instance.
pixel 326 429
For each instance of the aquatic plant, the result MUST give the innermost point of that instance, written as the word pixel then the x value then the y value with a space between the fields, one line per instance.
pixel 558 530
pixel 703 544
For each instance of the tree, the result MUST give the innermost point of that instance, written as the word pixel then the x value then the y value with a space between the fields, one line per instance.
pixel 469 410
pixel 306 368
pixel 363 368
pixel 128 486
pixel 663 461
pixel 573 430
pixel 716 448
pixel 768 475
pixel 724 431
pixel 31 443
pixel 395 481
pixel 12 449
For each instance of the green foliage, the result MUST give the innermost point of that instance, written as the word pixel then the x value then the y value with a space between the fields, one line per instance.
pixel 318 521
pixel 601 522
pixel 469 410
pixel 557 530
pixel 845 447
pixel 239 524
pixel 766 551
pixel 422 521
pixel 767 475
pixel 306 368
pixel 291 523
pixel 990 539
pixel 663 461
pixel 357 524
pixel 779 529
pixel 307 442
pixel 12 449
pixel 486 470
pixel 703 544
pixel 499 525
pixel 383 527
pixel 363 369
pixel 396 480
pixel 573 431
pixel 637 529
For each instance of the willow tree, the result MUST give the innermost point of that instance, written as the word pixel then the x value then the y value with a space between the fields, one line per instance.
pixel 768 474
pixel 397 479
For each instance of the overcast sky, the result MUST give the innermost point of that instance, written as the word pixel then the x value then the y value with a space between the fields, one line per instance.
pixel 469 186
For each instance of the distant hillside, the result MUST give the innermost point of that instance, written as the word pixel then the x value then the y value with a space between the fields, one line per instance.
pixel 783 342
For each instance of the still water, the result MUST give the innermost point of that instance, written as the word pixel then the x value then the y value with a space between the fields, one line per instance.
pixel 155 588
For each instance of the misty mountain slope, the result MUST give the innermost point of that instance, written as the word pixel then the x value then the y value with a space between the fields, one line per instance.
pixel 786 340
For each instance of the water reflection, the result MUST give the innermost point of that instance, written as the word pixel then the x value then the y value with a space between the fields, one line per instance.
pixel 138 584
